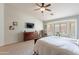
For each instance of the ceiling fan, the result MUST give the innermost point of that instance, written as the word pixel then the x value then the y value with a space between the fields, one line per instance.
pixel 43 7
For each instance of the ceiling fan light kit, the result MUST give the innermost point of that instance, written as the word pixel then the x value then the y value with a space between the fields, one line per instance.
pixel 43 7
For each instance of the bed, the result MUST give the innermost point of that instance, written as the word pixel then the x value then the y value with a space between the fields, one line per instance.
pixel 54 45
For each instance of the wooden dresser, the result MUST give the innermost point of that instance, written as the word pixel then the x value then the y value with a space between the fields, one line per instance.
pixel 30 36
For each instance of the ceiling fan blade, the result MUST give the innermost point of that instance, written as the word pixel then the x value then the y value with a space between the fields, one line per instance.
pixel 37 9
pixel 48 5
pixel 38 5
pixel 42 4
pixel 48 9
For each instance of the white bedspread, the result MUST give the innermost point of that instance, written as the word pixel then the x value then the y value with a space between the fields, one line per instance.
pixel 54 45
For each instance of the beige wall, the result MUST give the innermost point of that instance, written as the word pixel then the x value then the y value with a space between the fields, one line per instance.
pixel 1 24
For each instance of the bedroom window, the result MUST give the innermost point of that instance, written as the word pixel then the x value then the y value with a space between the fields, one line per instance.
pixel 49 29
pixel 65 29
pixel 57 29
pixel 72 29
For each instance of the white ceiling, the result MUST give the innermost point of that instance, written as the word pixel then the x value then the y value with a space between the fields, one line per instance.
pixel 58 9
